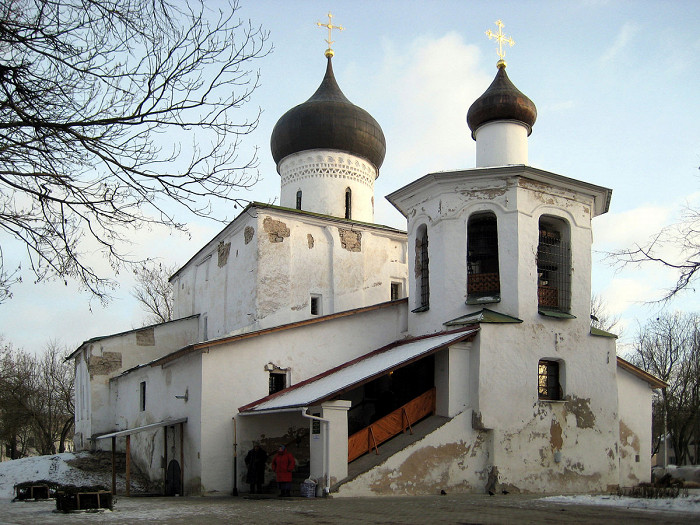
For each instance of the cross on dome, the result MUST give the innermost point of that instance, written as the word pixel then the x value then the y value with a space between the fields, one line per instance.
pixel 501 39
pixel 329 52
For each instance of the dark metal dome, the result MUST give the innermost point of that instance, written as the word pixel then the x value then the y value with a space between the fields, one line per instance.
pixel 328 120
pixel 501 101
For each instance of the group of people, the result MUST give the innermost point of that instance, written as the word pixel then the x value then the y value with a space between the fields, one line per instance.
pixel 282 464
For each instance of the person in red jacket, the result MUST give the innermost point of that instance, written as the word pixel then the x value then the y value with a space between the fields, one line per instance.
pixel 283 465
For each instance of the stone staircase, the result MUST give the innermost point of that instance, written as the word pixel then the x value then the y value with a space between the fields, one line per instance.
pixel 391 447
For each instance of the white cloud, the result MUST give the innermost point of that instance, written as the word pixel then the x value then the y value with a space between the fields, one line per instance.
pixel 431 82
pixel 623 39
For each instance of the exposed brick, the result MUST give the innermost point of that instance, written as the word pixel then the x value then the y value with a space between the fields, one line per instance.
pixel 223 251
pixel 248 234
pixel 350 240
pixel 276 230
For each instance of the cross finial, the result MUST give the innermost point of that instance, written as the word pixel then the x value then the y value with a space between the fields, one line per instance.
pixel 329 52
pixel 501 39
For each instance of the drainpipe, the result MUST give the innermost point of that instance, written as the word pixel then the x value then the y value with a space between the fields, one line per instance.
pixel 235 459
pixel 326 449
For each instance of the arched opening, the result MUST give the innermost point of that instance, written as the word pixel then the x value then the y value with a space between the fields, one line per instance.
pixel 553 265
pixel 298 200
pixel 422 269
pixel 483 281
pixel 348 203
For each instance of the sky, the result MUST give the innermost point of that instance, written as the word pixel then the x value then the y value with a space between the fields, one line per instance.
pixel 615 85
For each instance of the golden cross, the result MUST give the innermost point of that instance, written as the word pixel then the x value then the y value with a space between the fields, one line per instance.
pixel 501 39
pixel 329 52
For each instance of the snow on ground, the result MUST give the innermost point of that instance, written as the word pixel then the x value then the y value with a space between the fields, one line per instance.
pixel 690 504
pixel 48 468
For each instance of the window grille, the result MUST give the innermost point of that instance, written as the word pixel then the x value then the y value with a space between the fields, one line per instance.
pixel 424 271
pixel 553 271
pixel 277 382
pixel 548 380
pixel 482 257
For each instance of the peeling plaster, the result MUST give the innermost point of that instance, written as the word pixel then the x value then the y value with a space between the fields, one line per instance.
pixel 108 362
pixel 581 408
pixel 248 234
pixel 555 435
pixel 628 439
pixel 146 337
pixel 350 240
pixel 310 240
pixel 223 250
pixel 425 471
pixel 276 230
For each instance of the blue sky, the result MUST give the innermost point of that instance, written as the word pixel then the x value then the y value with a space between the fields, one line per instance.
pixel 615 85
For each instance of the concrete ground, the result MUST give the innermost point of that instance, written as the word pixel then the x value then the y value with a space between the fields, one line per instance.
pixel 455 509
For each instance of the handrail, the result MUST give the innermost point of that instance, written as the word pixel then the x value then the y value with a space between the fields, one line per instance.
pixel 390 425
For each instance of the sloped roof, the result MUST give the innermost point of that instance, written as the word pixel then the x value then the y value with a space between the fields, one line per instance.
pixel 354 373
pixel 654 382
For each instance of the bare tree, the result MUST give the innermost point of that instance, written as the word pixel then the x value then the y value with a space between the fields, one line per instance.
pixel 36 400
pixel 683 237
pixel 112 114
pixel 601 317
pixel 154 292
pixel 669 348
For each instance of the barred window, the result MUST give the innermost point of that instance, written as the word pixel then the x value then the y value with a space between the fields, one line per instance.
pixel 483 281
pixel 278 381
pixel 554 265
pixel 548 384
pixel 422 269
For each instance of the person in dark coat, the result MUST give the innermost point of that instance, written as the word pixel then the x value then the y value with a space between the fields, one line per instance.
pixel 283 465
pixel 255 461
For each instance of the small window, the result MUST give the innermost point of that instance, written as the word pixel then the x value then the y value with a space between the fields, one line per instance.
pixel 315 305
pixel 348 203
pixel 548 384
pixel 142 396
pixel 278 381
pixel 483 282
pixel 395 291
pixel 299 200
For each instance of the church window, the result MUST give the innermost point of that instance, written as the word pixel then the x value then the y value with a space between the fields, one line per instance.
pixel 277 382
pixel 553 265
pixel 348 203
pixel 483 282
pixel 422 270
pixel 548 384
pixel 395 291
pixel 315 305
pixel 299 200
pixel 142 396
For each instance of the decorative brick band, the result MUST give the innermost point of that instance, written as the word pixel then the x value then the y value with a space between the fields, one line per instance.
pixel 326 165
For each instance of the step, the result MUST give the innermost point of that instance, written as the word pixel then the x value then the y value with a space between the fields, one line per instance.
pixel 391 447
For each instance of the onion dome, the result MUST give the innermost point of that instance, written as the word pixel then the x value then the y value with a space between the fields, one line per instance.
pixel 328 120
pixel 501 101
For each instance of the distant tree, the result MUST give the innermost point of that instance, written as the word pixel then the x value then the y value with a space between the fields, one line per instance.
pixel 669 348
pixel 112 114
pixel 601 317
pixel 36 400
pixel 683 237
pixel 16 431
pixel 154 292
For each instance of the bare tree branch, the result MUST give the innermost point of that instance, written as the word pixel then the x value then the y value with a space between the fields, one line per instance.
pixel 111 111
pixel 154 292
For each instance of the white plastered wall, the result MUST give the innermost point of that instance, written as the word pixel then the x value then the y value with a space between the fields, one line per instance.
pixel 323 177
pixel 634 401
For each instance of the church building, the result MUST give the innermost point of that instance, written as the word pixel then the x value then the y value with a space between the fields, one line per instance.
pixel 457 355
